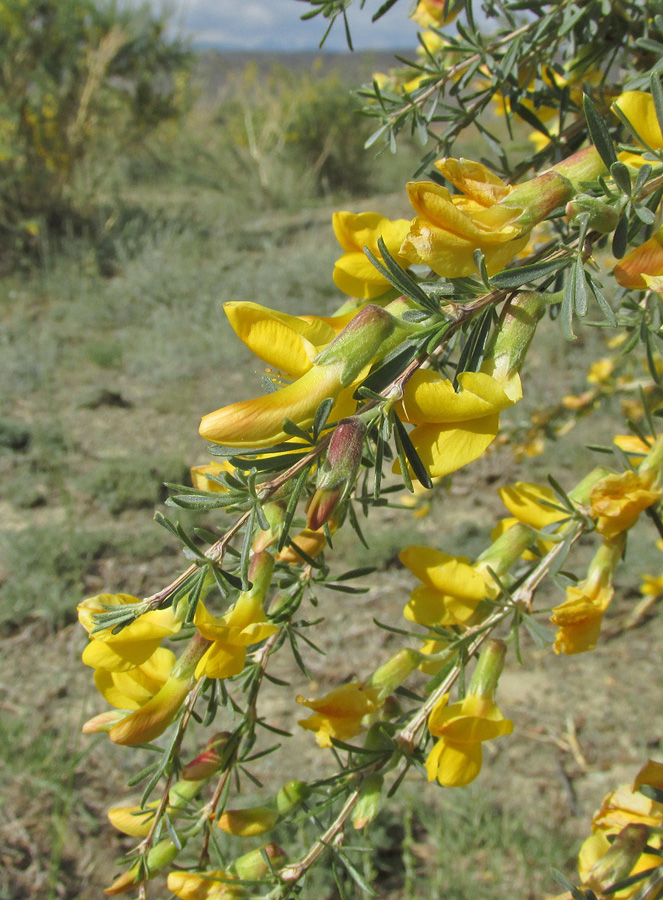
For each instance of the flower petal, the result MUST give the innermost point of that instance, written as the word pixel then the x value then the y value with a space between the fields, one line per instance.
pixel 639 109
pixel 259 422
pixel 446 448
pixel 284 342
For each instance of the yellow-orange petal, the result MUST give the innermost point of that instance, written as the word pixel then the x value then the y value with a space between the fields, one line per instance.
pixel 645 260
pixel 259 422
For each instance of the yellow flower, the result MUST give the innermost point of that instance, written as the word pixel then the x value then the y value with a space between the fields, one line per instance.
pixel 529 503
pixel 631 443
pixel 456 758
pixel 433 644
pixel 338 369
pixel 339 713
pixel 136 821
pixel 151 719
pixel 248 822
pixel 601 370
pixel 602 863
pixel 130 647
pixel 201 481
pixel 259 422
pixel 618 500
pixel 454 428
pixel 354 274
pixel 451 591
pixel 643 261
pixel 623 806
pixel 639 109
pixel 311 542
pixel 652 774
pixel 245 624
pixel 432 12
pixel 652 586
pixel 579 618
pixel 215 885
pixel 286 343
pixel 132 689
pixel 448 229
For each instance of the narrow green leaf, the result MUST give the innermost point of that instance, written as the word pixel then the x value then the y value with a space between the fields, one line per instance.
pixel 606 309
pixel 541 635
pixel 620 237
pixel 561 878
pixel 293 429
pixel 292 506
pixel 386 6
pixel 355 875
pixel 413 457
pixel 599 133
pixel 580 295
pixel 517 277
pixel 321 416
pixel 621 177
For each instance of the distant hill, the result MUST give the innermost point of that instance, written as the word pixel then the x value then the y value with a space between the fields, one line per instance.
pixel 214 66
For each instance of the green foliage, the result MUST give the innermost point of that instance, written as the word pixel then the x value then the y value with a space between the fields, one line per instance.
pixel 326 136
pixel 78 79
pixel 303 122
pixel 131 482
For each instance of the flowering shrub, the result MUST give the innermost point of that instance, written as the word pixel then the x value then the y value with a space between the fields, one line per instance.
pixel 409 382
pixel 75 76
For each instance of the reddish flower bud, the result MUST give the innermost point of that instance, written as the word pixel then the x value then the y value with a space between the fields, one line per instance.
pixel 210 760
pixel 338 474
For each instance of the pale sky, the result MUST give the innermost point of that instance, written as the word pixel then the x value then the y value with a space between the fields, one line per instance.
pixel 276 25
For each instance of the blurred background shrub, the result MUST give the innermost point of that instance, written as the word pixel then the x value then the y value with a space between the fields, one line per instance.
pixel 79 80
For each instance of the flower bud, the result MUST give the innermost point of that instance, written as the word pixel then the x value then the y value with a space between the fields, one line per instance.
pixel 104 721
pixel 160 856
pixel 275 515
pixel 253 866
pixel 291 796
pixel 337 476
pixel 137 821
pixel 368 804
pixel 537 198
pixel 248 822
pixel 504 551
pixel 601 215
pixel 619 860
pixel 208 763
pixel 394 672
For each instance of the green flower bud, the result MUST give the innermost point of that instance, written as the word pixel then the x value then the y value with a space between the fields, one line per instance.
pixel 368 804
pixel 253 866
pixel 291 796
pixel 602 216
pixel 394 672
